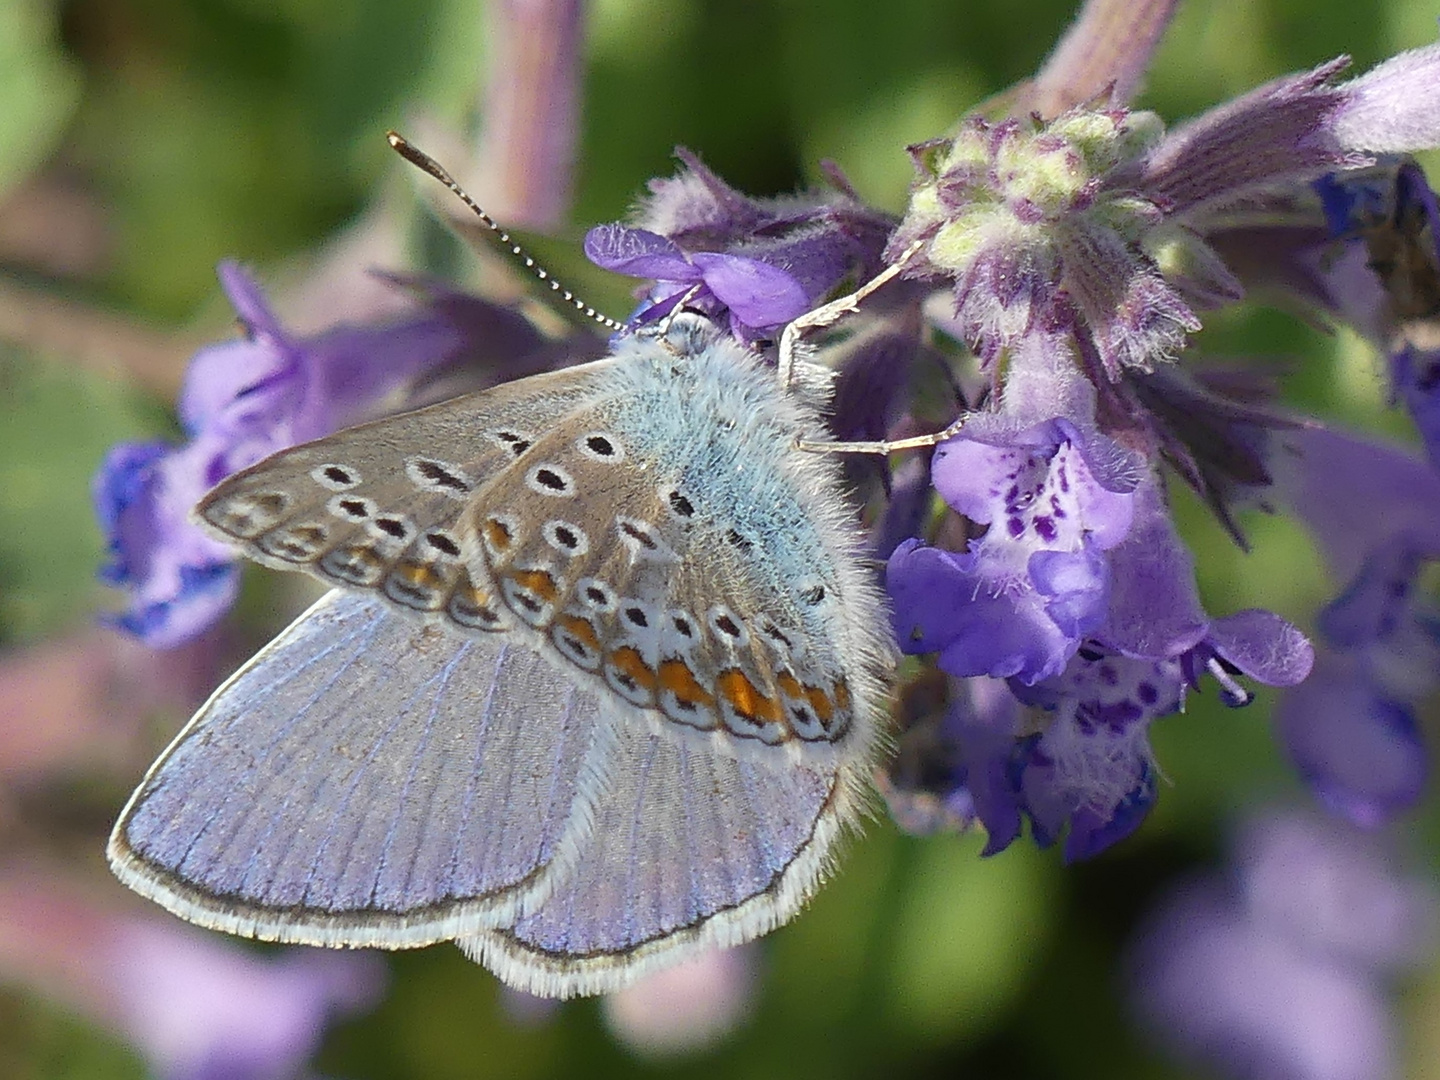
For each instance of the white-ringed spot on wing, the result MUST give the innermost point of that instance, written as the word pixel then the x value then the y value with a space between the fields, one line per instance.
pixel 813 594
pixel 550 479
pixel 680 504
pixel 784 644
pixel 499 533
pixel 515 442
pixel 595 595
pixel 629 676
pixel 727 626
pixel 336 477
pixel 442 544
pixel 679 630
pixel 441 477
pixel 391 528
pixel 295 543
pixel 416 585
pixel 577 639
pixel 473 609
pixel 249 515
pixel 531 594
pixel 570 540
pixel 351 507
pixel 643 541
pixel 637 616
pixel 353 564
pixel 601 446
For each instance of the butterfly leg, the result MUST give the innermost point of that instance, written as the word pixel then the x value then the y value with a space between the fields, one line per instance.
pixel 886 446
pixel 829 314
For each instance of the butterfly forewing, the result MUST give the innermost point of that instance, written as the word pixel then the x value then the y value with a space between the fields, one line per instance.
pixel 379 507
pixel 368 781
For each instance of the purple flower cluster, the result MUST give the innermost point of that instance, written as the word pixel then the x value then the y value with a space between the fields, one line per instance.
pixel 1051 266
pixel 758 263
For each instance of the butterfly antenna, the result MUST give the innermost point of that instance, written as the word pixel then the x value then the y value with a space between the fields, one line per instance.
pixel 424 161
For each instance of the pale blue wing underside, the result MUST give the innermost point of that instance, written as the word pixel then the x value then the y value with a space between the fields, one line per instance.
pixel 369 781
pixel 691 848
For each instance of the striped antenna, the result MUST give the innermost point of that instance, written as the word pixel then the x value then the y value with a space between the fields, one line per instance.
pixel 422 160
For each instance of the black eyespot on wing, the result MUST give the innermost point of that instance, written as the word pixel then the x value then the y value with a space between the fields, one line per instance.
pixel 727 626
pixel 636 617
pixel 517 443
pixel 392 527
pixel 681 505
pixel 437 475
pixel 600 446
pixel 813 595
pixel 443 544
pixel 640 536
pixel 337 474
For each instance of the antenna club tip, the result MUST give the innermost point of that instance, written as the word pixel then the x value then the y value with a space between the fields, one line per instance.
pixel 395 139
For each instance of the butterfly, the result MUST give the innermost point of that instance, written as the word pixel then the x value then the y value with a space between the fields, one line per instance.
pixel 600 683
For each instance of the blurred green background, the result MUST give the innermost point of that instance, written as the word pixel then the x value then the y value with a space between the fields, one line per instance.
pixel 162 135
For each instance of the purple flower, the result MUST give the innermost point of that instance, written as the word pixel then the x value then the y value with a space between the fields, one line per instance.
pixel 1056 495
pixel 242 401
pixel 1352 731
pixel 1280 971
pixel 195 1006
pixel 757 262
pixel 756 293
pixel 1077 243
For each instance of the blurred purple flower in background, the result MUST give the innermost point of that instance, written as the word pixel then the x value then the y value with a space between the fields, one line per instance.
pixel 196 1006
pixel 1282 969
pixel 686 1008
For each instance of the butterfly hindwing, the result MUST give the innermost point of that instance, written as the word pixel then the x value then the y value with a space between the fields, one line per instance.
pixel 689 850
pixel 368 781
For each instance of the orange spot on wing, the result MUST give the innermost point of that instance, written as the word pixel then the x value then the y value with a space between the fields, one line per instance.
pixel 629 662
pixel 736 688
pixel 580 629
pixel 539 582
pixel 676 677
pixel 497 534
pixel 419 574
